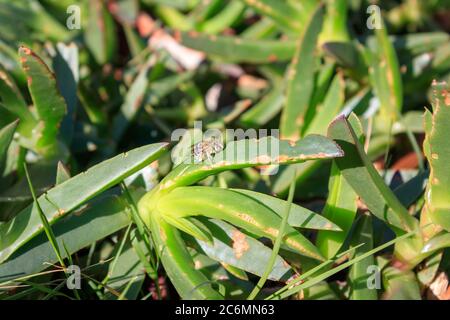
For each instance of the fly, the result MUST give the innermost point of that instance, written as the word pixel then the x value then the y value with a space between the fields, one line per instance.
pixel 204 150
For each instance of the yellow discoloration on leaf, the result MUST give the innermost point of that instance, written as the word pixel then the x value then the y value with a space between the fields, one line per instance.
pixel 292 243
pixel 272 231
pixel 247 218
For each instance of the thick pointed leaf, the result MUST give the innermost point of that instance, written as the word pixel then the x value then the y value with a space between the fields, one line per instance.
pixel 100 32
pixel 190 283
pixel 360 173
pixel 437 151
pixel 251 153
pixel 385 74
pixel 69 195
pixel 335 22
pixel 231 206
pixel 50 105
pixel 298 216
pixel 341 209
pixel 99 219
pixel 300 79
pixel 232 247
pixel 438 242
pixel 236 49
pixel 360 271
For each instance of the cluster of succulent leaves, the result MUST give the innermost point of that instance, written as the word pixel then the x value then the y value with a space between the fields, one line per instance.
pixel 143 224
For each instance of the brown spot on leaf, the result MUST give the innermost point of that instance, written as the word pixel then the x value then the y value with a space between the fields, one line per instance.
pixel 273 58
pixel 240 244
pixel 247 218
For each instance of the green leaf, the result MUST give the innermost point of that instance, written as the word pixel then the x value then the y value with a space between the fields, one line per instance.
pixel 335 22
pixel 100 33
pixel 232 247
pixel 415 43
pixel 250 153
pixel 62 173
pixel 189 282
pixel 173 18
pixel 261 29
pixel 438 242
pixel 362 176
pixel 385 74
pixel 360 173
pixel 298 216
pixel 276 244
pixel 69 195
pixel 437 151
pixel 360 272
pixel 97 220
pixel 325 113
pixel 236 49
pixel 190 226
pixel 341 209
pixel 50 105
pixel 300 79
pixel 45 225
pixel 231 206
